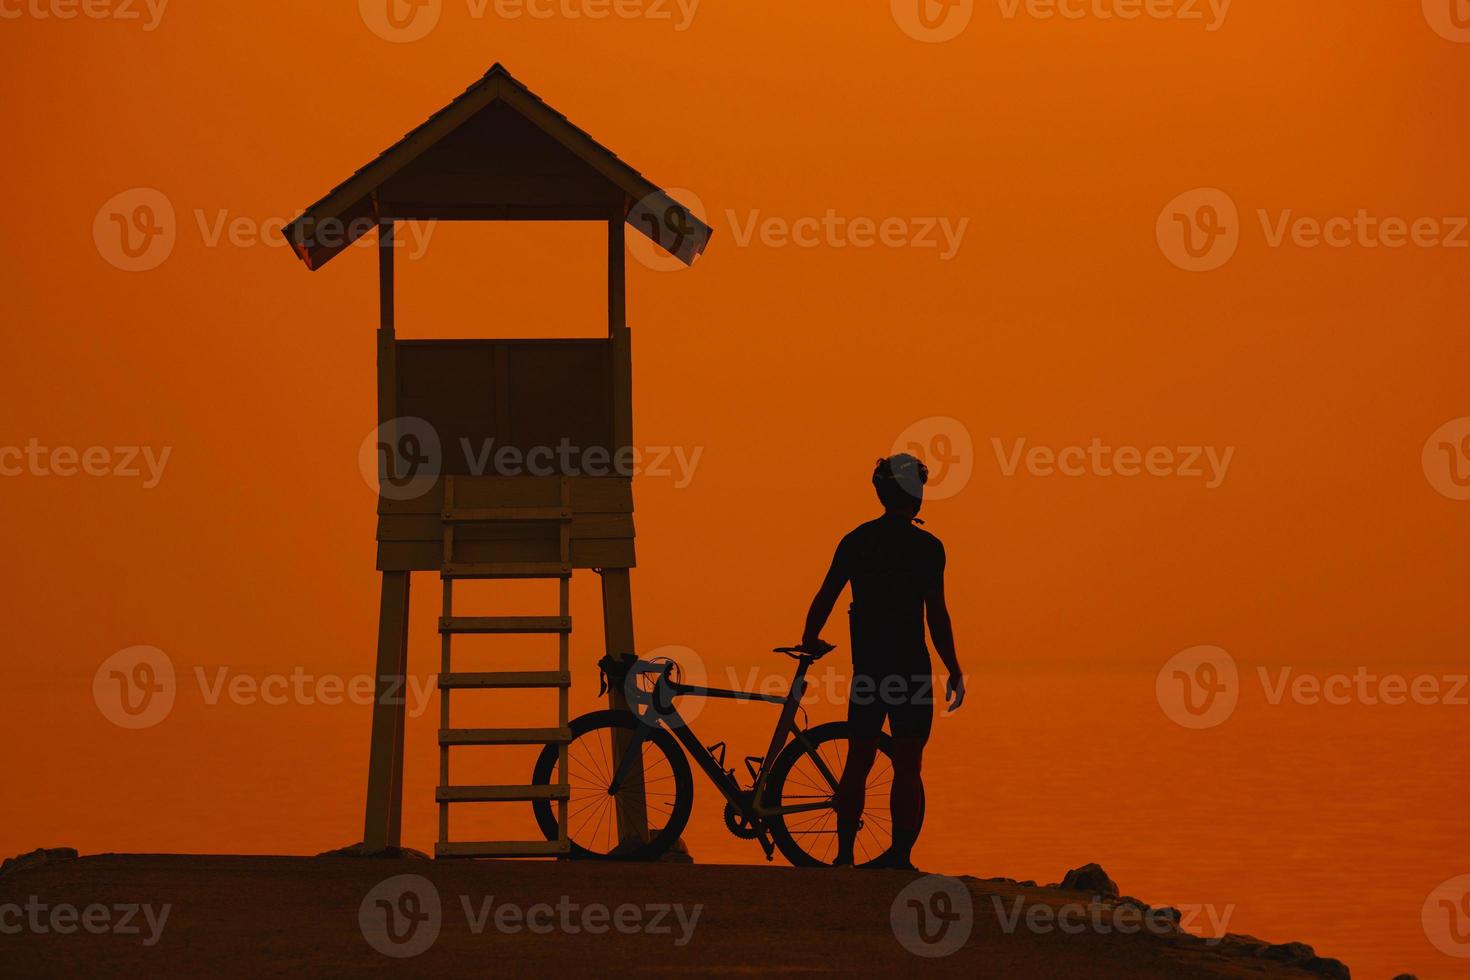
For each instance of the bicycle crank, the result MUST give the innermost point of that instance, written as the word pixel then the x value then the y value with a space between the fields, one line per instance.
pixel 738 823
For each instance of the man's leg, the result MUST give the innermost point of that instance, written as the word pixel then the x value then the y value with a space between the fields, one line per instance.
pixel 906 798
pixel 911 722
pixel 852 793
pixel 865 716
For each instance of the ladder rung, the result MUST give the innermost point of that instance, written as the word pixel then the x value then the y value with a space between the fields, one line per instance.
pixel 506 515
pixel 506 678
pixel 498 848
pixel 520 569
pixel 505 624
pixel 500 794
pixel 504 736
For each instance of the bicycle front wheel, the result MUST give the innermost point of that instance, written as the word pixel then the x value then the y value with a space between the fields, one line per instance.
pixel 807 772
pixel 597 821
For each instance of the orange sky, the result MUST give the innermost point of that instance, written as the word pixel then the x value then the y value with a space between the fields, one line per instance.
pixel 1059 318
pixel 1057 321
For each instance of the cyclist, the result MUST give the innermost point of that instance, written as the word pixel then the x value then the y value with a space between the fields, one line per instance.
pixel 897 576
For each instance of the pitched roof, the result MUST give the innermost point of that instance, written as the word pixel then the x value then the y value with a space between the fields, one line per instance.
pixel 351 209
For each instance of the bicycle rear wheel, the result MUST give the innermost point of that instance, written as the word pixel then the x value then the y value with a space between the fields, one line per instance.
pixel 592 813
pixel 809 838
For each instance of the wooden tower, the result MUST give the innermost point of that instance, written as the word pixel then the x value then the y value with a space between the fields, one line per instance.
pixel 496 153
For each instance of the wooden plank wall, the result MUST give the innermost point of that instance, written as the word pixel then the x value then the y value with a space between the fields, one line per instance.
pixel 411 532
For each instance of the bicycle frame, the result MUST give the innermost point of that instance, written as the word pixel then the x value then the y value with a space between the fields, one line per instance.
pixel 661 711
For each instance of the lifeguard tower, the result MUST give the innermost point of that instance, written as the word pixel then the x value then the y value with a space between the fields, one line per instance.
pixel 496 153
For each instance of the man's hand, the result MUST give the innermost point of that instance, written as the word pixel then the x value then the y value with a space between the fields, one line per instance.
pixel 954 692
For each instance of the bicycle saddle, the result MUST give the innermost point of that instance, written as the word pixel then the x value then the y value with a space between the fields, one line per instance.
pixel 814 653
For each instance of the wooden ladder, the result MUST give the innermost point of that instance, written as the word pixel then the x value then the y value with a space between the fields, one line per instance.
pixel 451 626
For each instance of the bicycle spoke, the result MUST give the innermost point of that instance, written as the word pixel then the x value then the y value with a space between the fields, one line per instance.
pixel 806 784
pixel 820 792
pixel 878 847
pixel 593 818
pixel 834 770
pixel 591 748
pixel 593 778
pixel 586 801
pixel 597 813
pixel 831 842
pixel 815 781
pixel 876 784
pixel 817 817
pixel 812 776
pixel 604 742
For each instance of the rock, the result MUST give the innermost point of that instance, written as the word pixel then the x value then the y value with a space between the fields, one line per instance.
pixel 35 859
pixel 358 850
pixel 1244 944
pixel 1289 952
pixel 1169 913
pixel 1304 956
pixel 1299 955
pixel 677 854
pixel 1326 967
pixel 1090 878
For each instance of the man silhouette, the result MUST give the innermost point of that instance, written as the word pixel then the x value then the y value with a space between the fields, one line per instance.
pixel 897 576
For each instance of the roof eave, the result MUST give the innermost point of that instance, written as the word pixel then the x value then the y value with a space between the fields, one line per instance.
pixel 349 211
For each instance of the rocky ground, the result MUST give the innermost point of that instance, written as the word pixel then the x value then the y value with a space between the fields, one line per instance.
pixel 164 915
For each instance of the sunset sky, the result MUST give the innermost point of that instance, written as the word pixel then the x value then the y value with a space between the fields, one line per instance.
pixel 975 245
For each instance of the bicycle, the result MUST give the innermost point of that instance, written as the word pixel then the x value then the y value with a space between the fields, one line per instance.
pixel 788 806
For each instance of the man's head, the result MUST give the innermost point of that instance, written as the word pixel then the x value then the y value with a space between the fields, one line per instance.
pixel 900 481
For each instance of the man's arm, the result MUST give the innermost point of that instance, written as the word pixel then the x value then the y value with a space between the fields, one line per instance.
pixel 826 598
pixel 941 630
